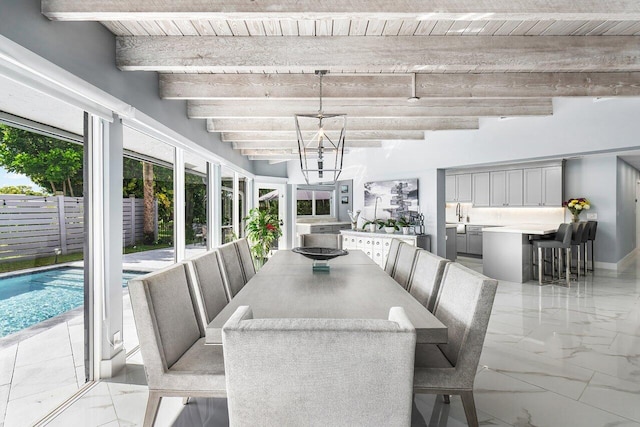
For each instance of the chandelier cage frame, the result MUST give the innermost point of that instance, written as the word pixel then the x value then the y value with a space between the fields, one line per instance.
pixel 321 144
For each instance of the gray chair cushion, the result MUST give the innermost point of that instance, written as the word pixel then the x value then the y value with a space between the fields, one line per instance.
pixel 230 261
pixel 404 264
pixel 206 279
pixel 248 267
pixel 319 372
pixel 464 305
pixel 426 277
pixel 333 241
pixel 167 297
pixel 393 256
pixel 200 368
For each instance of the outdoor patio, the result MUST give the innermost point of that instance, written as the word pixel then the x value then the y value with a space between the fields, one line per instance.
pixel 58 343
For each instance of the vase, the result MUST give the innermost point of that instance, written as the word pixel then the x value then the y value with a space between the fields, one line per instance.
pixel 576 217
pixel 390 230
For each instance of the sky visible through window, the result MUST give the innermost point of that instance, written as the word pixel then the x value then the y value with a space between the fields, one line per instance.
pixel 13 179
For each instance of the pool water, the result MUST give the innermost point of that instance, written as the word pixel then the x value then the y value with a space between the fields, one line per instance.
pixel 27 299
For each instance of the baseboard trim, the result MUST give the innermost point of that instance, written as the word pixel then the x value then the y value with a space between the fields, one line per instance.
pixel 109 368
pixel 617 266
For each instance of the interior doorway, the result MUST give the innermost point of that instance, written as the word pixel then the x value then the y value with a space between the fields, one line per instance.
pixel 274 198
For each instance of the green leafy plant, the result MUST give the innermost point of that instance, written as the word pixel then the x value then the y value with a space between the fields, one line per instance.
pixel 402 222
pixel 262 228
pixel 391 223
pixel 378 222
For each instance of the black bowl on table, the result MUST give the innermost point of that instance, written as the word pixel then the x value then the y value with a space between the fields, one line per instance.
pixel 319 254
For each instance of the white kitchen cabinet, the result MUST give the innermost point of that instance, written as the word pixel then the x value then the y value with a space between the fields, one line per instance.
pixel 543 186
pixel 506 188
pixel 481 189
pixel 458 188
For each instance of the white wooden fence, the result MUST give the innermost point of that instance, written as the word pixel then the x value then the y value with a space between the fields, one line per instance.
pixel 32 226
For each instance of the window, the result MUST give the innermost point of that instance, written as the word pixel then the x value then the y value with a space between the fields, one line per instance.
pixel 314 202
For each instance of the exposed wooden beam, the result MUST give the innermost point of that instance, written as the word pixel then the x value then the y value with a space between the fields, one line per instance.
pixel 274 158
pixel 213 86
pixel 456 107
pixel 352 135
pixel 353 124
pixel 392 54
pixel 293 145
pixel 486 85
pixel 103 10
pixel 276 152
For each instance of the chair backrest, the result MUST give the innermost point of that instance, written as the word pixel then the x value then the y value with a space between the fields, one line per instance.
pixel 562 230
pixel 248 267
pixel 593 227
pixel 232 268
pixel 464 305
pixel 295 372
pixel 207 281
pixel 426 277
pixel 164 309
pixel 333 241
pixel 578 231
pixel 393 256
pixel 404 264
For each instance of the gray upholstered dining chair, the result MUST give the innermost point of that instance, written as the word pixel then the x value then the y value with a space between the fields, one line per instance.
pixel 393 256
pixel 171 334
pixel 464 305
pixel 404 264
pixel 232 268
pixel 317 240
pixel 426 276
pixel 319 372
pixel 246 259
pixel 207 283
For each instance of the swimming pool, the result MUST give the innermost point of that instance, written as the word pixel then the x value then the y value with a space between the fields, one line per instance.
pixel 27 299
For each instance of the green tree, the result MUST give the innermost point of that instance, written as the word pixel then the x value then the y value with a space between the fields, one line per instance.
pixel 48 162
pixel 21 189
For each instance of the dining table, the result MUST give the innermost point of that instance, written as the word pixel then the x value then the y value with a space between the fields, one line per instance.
pixel 355 287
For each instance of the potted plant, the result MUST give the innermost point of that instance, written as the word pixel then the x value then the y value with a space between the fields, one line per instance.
pixel 372 225
pixel 390 226
pixel 576 206
pixel 403 223
pixel 262 229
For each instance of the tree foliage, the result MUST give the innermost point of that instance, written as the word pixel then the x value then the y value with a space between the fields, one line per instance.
pixel 21 189
pixel 49 162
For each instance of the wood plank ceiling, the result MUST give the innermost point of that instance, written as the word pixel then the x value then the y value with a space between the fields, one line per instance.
pixel 246 66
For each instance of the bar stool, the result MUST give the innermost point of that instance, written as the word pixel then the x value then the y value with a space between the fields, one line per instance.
pixel 592 227
pixel 578 238
pixel 561 242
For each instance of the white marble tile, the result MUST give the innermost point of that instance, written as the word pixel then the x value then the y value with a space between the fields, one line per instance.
pixel 614 395
pixel 430 410
pixel 94 408
pixel 4 399
pixel 563 378
pixel 561 341
pixel 27 410
pixel 129 402
pixel 50 344
pixel 7 362
pixel 521 404
pixel 34 379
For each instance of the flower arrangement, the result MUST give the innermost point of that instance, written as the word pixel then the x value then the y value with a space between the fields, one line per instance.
pixel 263 228
pixel 576 206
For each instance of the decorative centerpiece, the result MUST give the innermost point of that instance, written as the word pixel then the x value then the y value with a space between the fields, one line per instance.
pixel 576 206
pixel 320 256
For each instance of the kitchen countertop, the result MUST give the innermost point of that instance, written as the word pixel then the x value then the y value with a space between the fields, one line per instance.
pixel 380 234
pixel 538 229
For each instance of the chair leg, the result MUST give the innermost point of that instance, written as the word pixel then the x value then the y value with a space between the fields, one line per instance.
pixel 469 408
pixel 445 399
pixel 152 408
pixel 540 262
pixel 568 266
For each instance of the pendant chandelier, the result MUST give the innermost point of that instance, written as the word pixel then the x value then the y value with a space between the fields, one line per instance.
pixel 322 150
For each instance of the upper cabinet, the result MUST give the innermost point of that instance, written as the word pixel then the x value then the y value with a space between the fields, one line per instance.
pixel 481 193
pixel 509 186
pixel 506 188
pixel 458 188
pixel 543 186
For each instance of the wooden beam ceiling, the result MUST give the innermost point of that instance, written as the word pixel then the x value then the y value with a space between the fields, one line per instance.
pixel 102 10
pixel 487 85
pixel 392 54
pixel 253 124
pixel 455 107
pixel 293 145
pixel 291 135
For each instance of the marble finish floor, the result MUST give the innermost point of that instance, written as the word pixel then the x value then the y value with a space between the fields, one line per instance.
pixel 553 356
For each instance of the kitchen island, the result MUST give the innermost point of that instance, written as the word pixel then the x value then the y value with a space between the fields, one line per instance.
pixel 506 252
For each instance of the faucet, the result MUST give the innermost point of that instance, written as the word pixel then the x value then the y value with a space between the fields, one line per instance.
pixel 459 212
